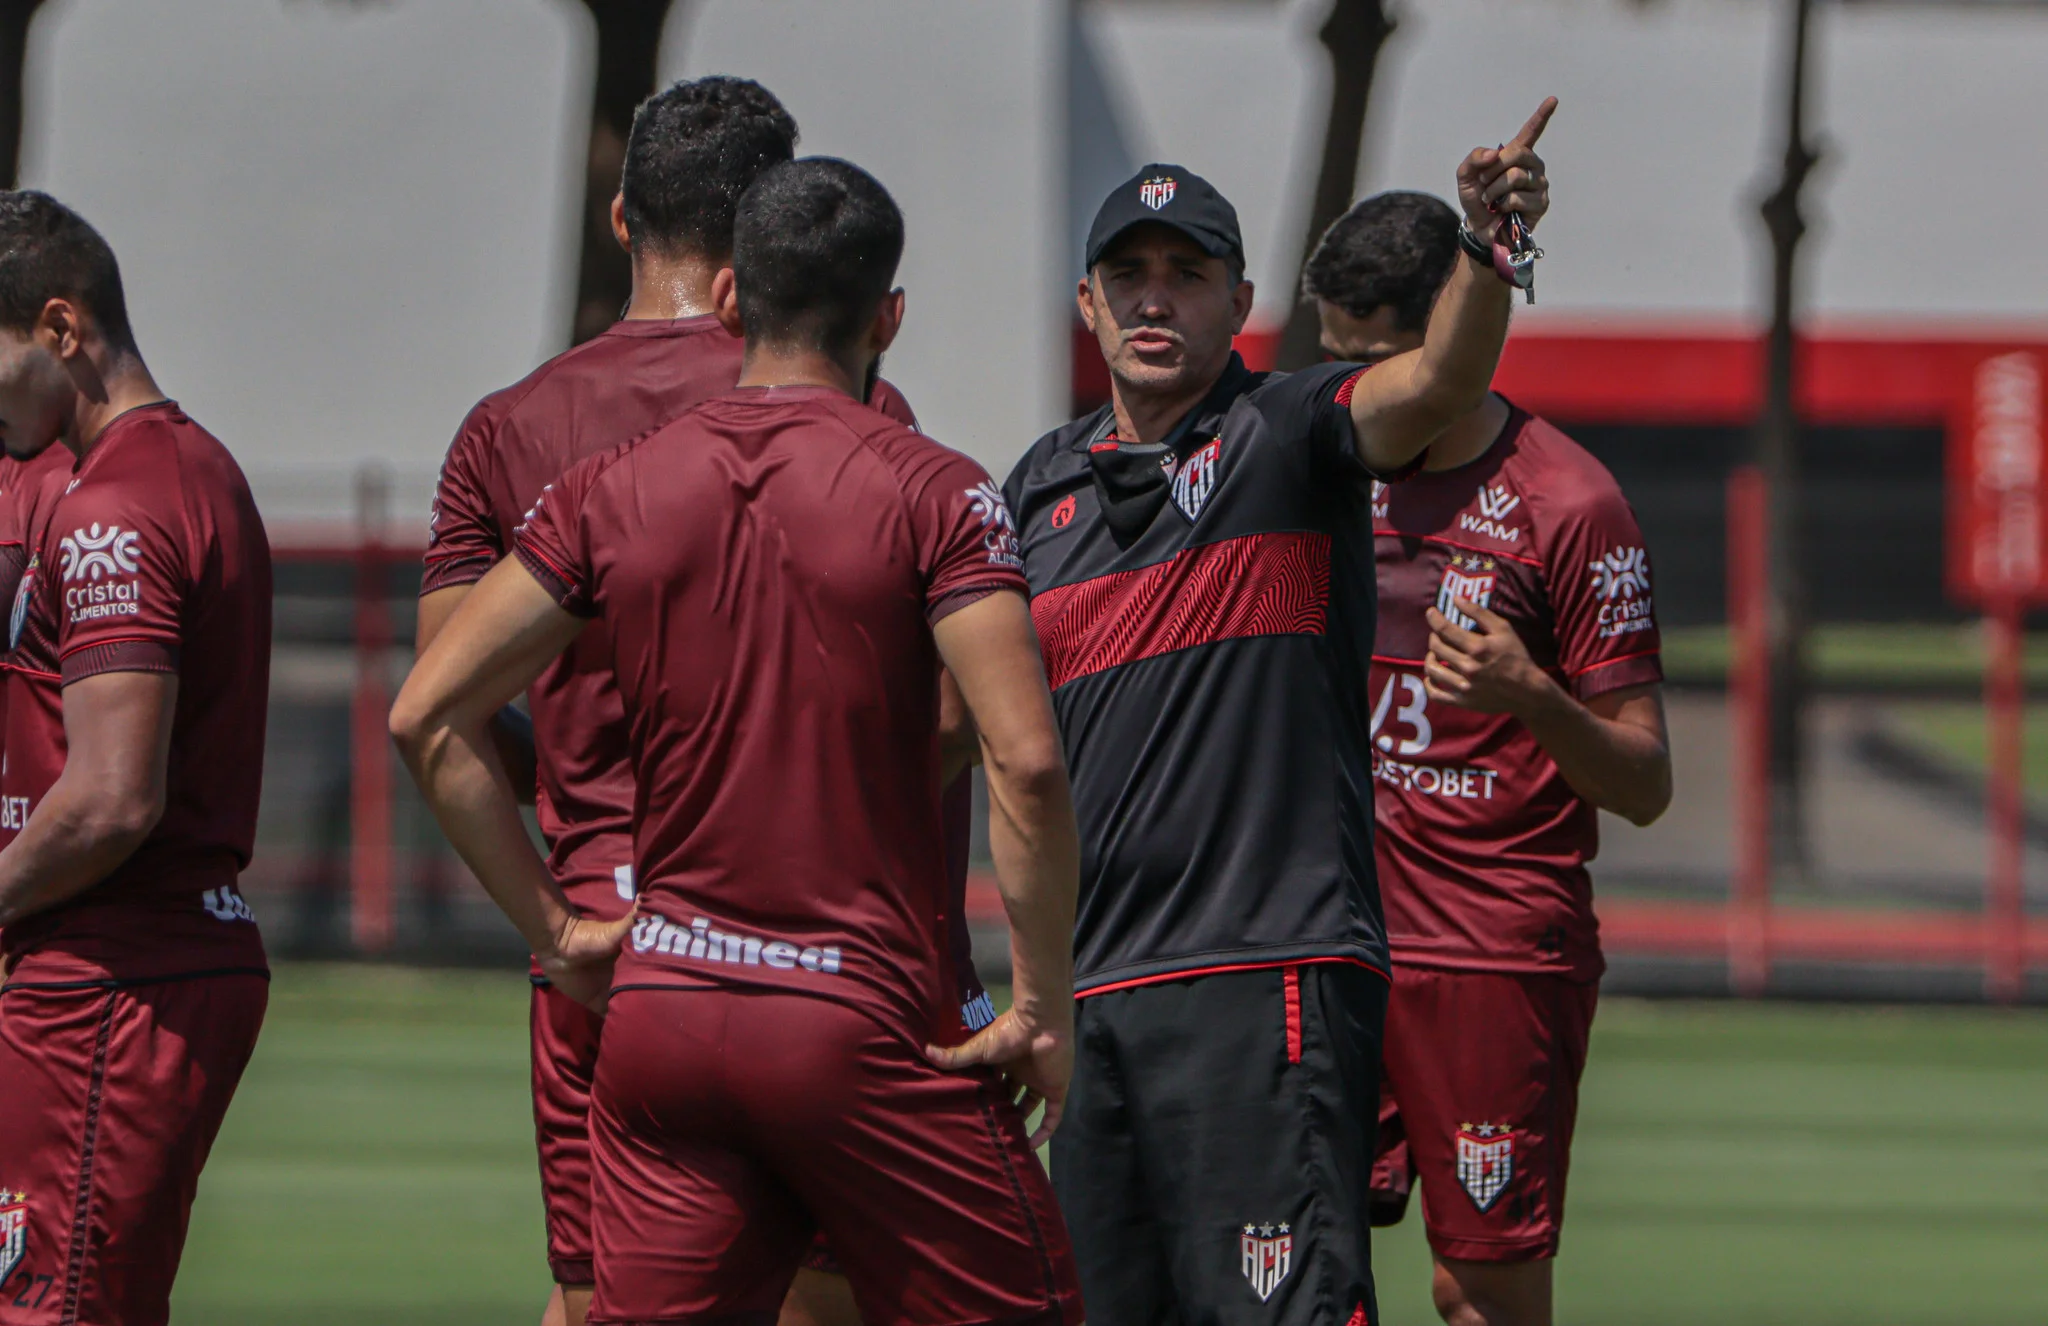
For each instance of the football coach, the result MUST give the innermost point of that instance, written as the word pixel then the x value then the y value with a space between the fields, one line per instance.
pixel 1200 559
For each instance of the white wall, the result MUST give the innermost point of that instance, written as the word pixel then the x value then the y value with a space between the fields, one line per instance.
pixel 342 221
pixel 958 106
pixel 1668 133
pixel 339 224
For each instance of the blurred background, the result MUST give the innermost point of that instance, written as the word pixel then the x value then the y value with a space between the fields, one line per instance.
pixel 1795 298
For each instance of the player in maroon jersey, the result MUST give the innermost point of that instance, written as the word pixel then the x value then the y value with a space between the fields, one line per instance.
pixel 138 677
pixel 1515 689
pixel 779 574
pixel 692 152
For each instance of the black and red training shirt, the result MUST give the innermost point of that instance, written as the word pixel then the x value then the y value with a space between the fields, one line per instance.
pixel 1206 611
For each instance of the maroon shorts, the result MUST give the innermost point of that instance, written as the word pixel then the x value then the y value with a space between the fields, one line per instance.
pixel 727 1128
pixel 564 1061
pixel 111 1099
pixel 1478 1098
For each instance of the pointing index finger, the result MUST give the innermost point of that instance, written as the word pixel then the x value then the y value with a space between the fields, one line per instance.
pixel 1533 130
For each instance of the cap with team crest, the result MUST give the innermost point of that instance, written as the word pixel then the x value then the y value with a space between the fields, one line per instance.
pixel 1170 196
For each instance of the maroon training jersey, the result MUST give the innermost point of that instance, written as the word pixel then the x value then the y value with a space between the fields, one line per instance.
pixel 151 558
pixel 1482 845
pixel 632 378
pixel 767 568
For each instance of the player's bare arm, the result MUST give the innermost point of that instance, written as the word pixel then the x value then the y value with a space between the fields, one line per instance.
pixel 990 649
pixel 1407 402
pixel 1612 749
pixel 511 730
pixel 959 742
pixel 491 649
pixel 117 730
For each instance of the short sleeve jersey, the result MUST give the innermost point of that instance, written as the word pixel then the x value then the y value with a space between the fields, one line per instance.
pixel 150 558
pixel 1205 608
pixel 626 381
pixel 1482 844
pixel 767 568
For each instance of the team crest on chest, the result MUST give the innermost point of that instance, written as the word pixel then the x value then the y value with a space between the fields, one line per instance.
pixel 1486 1161
pixel 13 1231
pixel 1195 480
pixel 1267 1252
pixel 1468 576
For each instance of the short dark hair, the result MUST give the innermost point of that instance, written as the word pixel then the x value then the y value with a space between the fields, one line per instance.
pixel 48 251
pixel 815 248
pixel 1392 250
pixel 693 151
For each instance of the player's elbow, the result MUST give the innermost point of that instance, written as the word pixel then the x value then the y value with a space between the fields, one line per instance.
pixel 1033 766
pixel 412 726
pixel 1648 798
pixel 124 816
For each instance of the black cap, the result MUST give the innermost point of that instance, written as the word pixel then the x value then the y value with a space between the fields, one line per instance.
pixel 1173 197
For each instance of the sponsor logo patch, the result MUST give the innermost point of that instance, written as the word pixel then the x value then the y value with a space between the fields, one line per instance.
pixel 1197 479
pixel 1468 576
pixel 1267 1252
pixel 1486 1161
pixel 225 904
pixel 13 1231
pixel 90 554
pixel 1157 192
pixel 999 532
pixel 1621 581
pixel 1495 503
pixel 1063 514
pixel 704 942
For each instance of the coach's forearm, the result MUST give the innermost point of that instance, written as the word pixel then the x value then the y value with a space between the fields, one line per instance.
pixel 1407 403
pixel 459 772
pixel 1619 766
pixel 1037 851
pixel 76 837
pixel 1462 346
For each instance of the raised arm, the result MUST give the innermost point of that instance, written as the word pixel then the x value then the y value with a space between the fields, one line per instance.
pixel 506 630
pixel 1403 405
pixel 992 653
pixel 117 734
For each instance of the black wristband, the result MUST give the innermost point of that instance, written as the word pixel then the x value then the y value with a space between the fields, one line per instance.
pixel 1480 250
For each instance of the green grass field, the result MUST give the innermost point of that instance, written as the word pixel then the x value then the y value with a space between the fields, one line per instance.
pixel 1859 655
pixel 1956 731
pixel 1736 1163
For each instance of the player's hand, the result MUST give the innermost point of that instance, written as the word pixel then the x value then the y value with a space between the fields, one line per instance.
pixel 1494 181
pixel 1487 669
pixel 1037 1062
pixel 581 964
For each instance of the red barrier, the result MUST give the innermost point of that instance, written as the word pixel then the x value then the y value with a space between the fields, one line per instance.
pixel 1749 699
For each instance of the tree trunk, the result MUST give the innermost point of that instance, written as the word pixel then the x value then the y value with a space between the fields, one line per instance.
pixel 628 48
pixel 15 16
pixel 1354 35
pixel 1777 455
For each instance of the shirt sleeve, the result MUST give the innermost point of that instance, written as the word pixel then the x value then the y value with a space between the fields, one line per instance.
pixel 553 544
pixel 966 540
pixel 462 539
pixel 1599 571
pixel 129 567
pixel 887 398
pixel 1314 406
